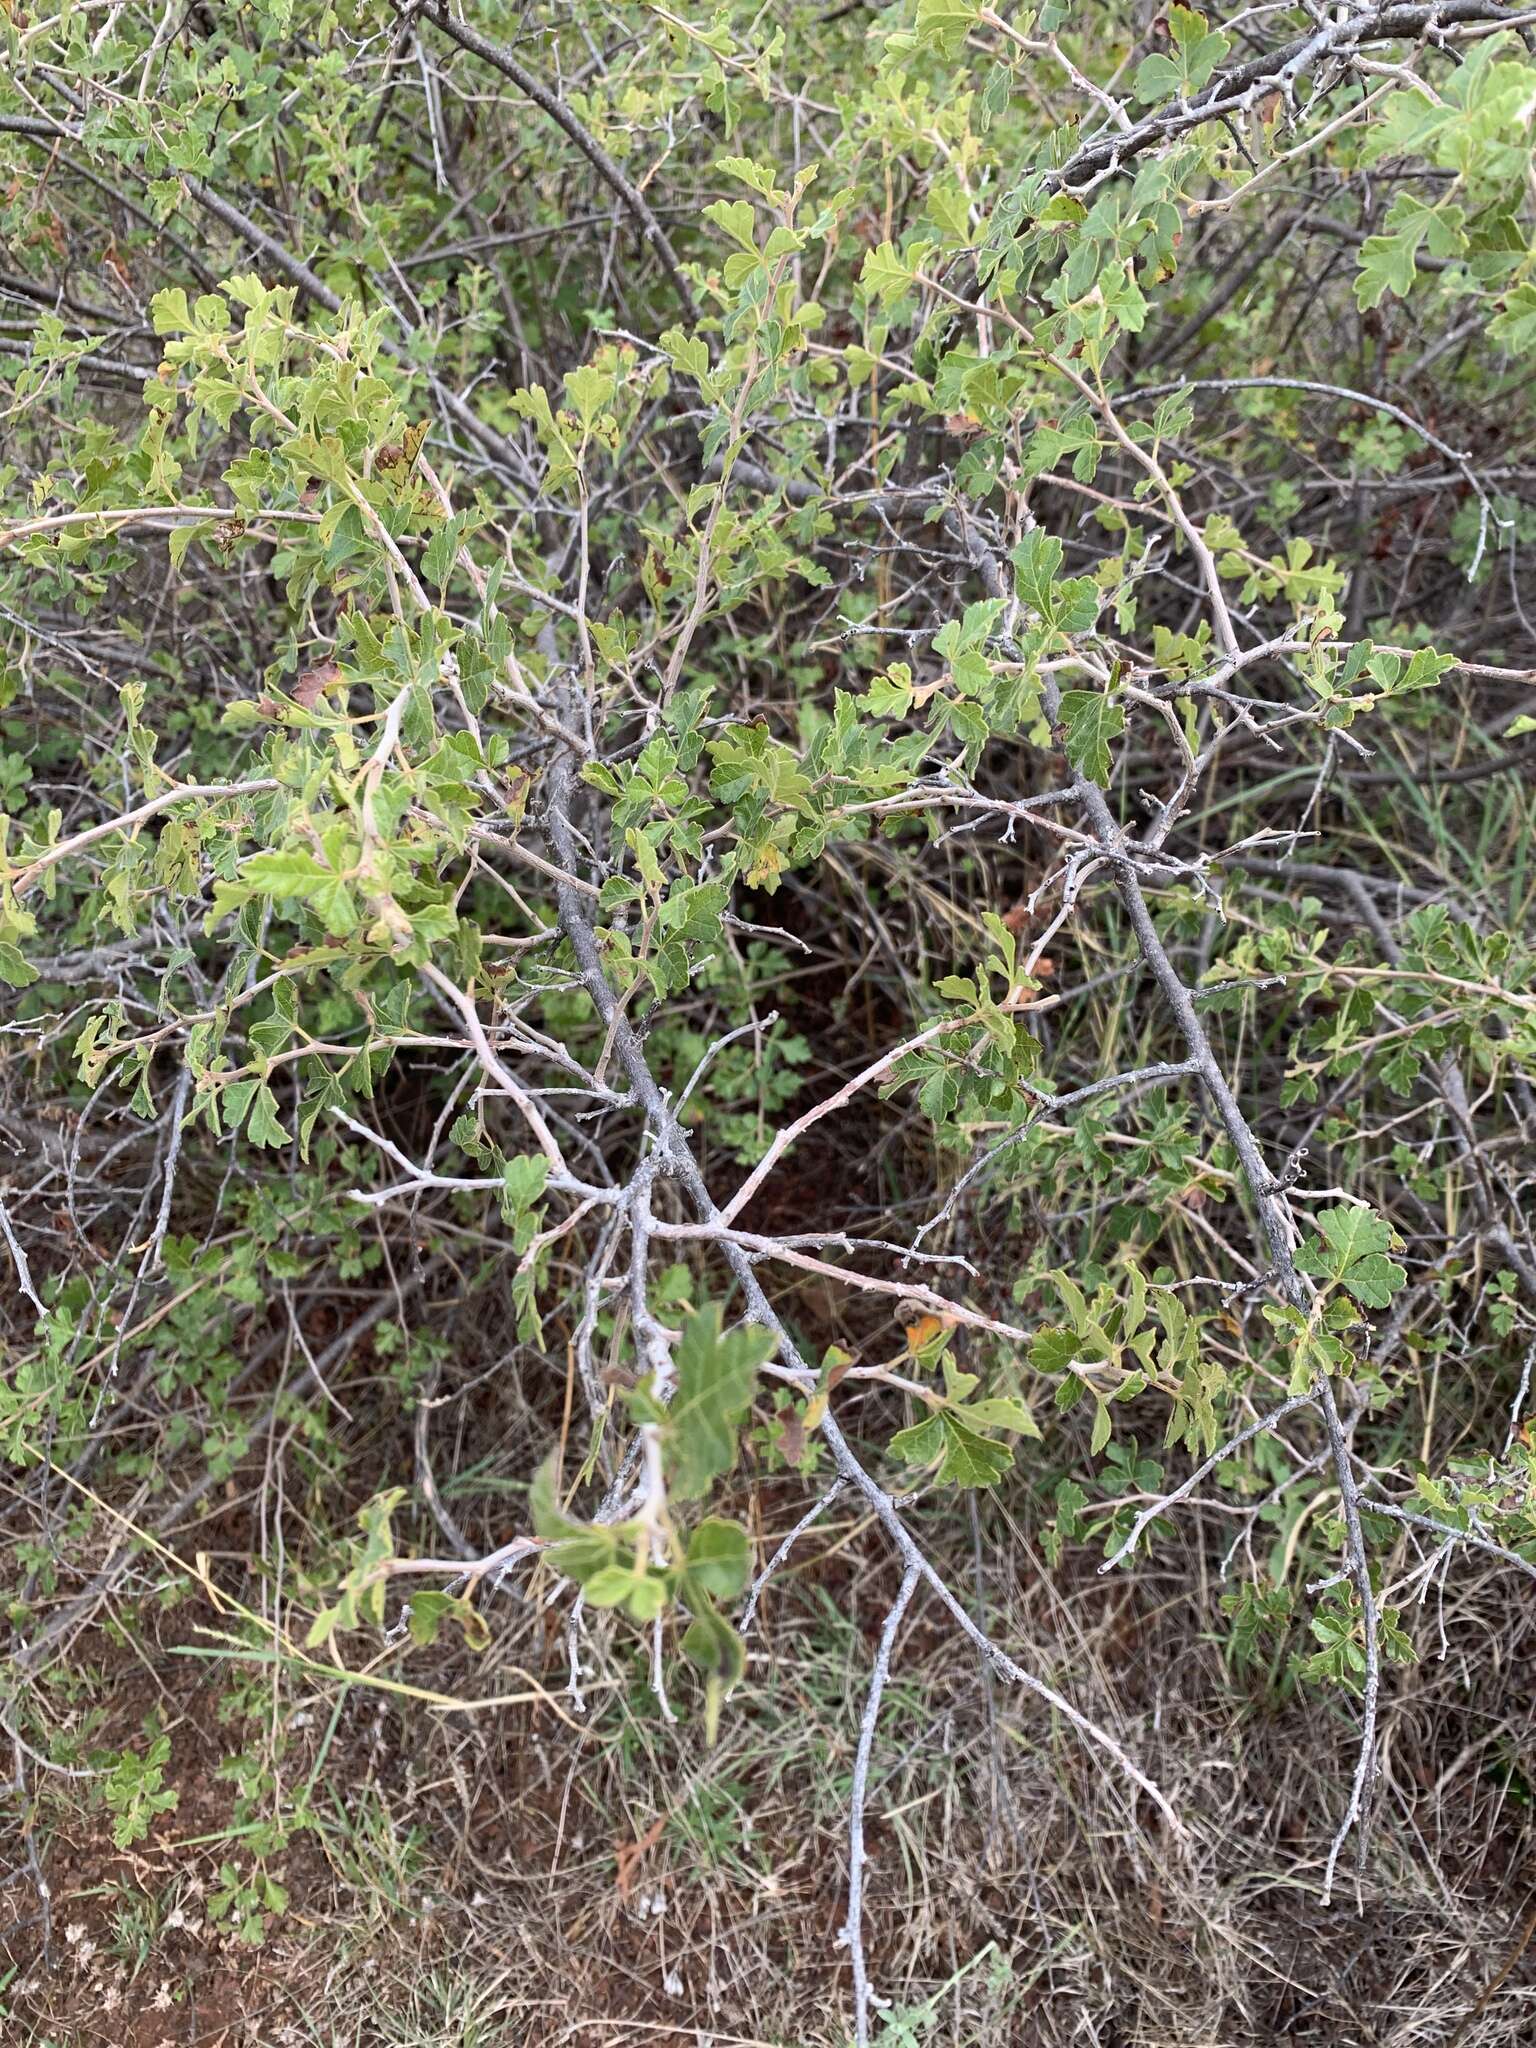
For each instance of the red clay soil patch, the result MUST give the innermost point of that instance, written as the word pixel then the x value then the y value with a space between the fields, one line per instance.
pixel 108 1979
pixel 132 1957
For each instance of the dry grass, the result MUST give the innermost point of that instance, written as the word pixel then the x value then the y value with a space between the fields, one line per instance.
pixel 517 1877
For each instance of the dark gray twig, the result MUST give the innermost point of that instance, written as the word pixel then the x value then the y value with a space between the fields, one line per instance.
pixel 550 103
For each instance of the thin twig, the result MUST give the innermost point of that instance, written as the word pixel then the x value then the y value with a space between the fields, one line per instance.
pixel 852 1934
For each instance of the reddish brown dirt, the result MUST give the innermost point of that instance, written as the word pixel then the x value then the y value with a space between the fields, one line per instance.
pixel 133 1959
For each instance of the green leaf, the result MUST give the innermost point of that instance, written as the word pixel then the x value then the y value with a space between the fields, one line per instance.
pixel 264 1126
pixel 14 969
pixel 578 1549
pixel 761 177
pixel 525 1177
pixel 971 1459
pixel 688 351
pixel 966 1458
pixel 716 1380
pixel 590 391
pixel 885 277
pixel 1386 265
pixel 290 874
pixel 1103 1427
pixel 1068 607
pixel 714 1646
pixel 441 554
pixel 610 1587
pixel 1389 260
pixel 718 1558
pixel 1054 1350
pixel 890 694
pixel 695 911
pixel 946 23
pixel 736 218
pixel 1514 328
pixel 1090 720
pixel 429 1609
pixel 1351 1250
pixel 921 1443
pixel 1188 64
pixel 1001 1411
pixel 170 312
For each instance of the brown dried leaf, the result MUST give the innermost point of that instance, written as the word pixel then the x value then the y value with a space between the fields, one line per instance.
pixel 313 684
pixel 791 1444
